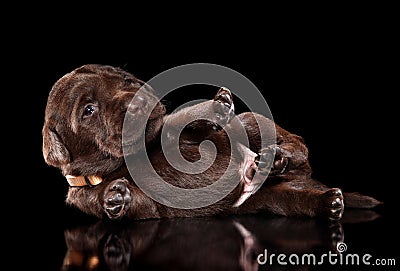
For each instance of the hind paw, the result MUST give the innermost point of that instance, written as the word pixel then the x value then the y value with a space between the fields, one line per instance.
pixel 223 107
pixel 272 160
pixel 333 204
pixel 336 236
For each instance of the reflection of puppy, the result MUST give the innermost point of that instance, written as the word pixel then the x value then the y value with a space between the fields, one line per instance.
pixel 82 135
pixel 205 243
pixel 148 246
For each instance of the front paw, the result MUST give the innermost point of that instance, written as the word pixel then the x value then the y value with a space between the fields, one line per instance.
pixel 272 160
pixel 117 252
pixel 117 198
pixel 224 108
pixel 333 204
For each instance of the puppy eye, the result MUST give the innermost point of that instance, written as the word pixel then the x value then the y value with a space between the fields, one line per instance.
pixel 89 110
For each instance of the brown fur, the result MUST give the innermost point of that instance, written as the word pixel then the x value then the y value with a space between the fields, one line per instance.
pixel 91 145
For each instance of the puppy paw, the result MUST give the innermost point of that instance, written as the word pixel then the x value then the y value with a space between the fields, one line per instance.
pixel 117 198
pixel 223 107
pixel 333 204
pixel 272 160
pixel 336 235
pixel 117 252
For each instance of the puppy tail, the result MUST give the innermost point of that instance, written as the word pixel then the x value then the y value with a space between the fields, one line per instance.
pixel 357 200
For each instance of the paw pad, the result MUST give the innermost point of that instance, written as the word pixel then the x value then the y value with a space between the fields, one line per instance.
pixel 117 198
pixel 223 107
pixel 334 203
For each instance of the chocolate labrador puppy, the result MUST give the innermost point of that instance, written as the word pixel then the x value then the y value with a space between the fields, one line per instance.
pixel 82 136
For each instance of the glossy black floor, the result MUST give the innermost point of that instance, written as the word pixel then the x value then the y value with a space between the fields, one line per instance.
pixel 248 242
pixel 317 95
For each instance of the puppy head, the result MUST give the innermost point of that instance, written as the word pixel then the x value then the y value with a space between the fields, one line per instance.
pixel 85 111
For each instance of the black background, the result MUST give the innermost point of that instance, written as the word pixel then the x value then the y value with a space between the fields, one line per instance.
pixel 330 84
pixel 335 98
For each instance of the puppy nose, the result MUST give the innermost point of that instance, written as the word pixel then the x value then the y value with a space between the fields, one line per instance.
pixel 138 104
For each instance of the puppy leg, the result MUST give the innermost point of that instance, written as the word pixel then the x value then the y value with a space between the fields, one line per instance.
pixel 273 160
pixel 282 151
pixel 287 153
pixel 297 197
pixel 199 121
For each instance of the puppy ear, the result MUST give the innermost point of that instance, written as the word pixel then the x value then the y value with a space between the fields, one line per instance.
pixel 54 151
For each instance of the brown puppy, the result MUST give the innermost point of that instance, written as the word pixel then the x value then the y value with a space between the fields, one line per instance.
pixel 82 136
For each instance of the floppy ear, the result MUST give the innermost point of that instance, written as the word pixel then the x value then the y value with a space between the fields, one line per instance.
pixel 54 151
